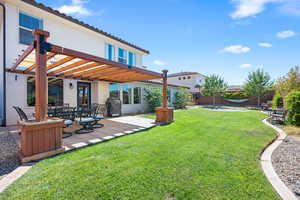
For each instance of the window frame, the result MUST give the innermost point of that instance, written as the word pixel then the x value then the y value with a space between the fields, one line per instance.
pixel 25 28
pixel 125 55
pixel 26 89
pixel 107 51
pixel 140 94
pixel 133 59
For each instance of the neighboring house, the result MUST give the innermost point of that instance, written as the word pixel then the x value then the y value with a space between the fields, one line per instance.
pixel 235 88
pixel 193 80
pixel 22 16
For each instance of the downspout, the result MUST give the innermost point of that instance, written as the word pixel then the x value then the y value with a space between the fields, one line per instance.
pixel 4 64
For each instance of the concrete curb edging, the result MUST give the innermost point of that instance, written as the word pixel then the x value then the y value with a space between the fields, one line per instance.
pixel 266 163
pixel 21 170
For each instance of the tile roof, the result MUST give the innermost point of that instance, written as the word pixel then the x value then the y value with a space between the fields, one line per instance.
pixel 81 23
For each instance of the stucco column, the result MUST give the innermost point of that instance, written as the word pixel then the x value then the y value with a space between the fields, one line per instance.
pixel 41 83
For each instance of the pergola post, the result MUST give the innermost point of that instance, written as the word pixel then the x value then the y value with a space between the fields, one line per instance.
pixel 164 114
pixel 43 137
pixel 41 81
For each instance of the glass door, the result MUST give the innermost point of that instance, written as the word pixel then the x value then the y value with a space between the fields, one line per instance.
pixel 83 94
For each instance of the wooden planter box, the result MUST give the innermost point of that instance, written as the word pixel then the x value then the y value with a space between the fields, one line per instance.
pixel 164 115
pixel 41 139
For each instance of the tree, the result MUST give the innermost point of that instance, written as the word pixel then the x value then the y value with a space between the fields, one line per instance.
pixel 289 82
pixel 214 86
pixel 182 98
pixel 258 83
pixel 154 98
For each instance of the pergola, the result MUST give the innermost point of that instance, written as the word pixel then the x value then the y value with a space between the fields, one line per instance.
pixel 44 59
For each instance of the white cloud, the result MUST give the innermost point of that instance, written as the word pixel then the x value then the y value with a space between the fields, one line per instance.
pixel 286 34
pixel 264 44
pixel 158 62
pixel 250 8
pixel 236 49
pixel 76 8
pixel 243 66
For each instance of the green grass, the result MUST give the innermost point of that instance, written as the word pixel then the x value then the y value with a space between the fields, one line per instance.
pixel 203 155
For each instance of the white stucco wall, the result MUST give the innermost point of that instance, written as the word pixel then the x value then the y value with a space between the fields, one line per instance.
pixel 62 33
pixel 194 80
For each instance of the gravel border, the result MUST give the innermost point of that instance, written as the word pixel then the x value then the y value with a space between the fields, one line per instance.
pixel 286 162
pixel 9 153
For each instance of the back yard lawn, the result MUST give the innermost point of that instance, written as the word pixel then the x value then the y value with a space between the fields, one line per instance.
pixel 203 155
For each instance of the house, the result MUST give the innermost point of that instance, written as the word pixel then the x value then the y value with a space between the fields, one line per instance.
pixel 22 17
pixel 193 80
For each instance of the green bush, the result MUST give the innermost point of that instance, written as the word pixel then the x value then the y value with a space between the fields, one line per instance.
pixel 293 105
pixel 182 98
pixel 235 95
pixel 277 101
pixel 154 98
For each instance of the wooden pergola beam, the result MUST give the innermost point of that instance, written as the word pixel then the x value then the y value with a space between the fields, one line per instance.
pixel 49 56
pixel 60 62
pixel 93 71
pixel 106 72
pixel 85 56
pixel 76 64
pixel 81 68
pixel 23 56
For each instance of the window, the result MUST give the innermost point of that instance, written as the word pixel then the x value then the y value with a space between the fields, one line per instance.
pixel 122 56
pixel 131 59
pixel 55 91
pixel 179 78
pixel 28 23
pixel 184 78
pixel 127 94
pixel 137 95
pixel 189 77
pixel 110 52
pixel 114 90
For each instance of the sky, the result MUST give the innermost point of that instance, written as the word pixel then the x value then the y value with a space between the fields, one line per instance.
pixel 225 37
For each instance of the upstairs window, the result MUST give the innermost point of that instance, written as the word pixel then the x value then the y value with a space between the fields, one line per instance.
pixel 114 90
pixel 110 52
pixel 28 23
pixel 122 56
pixel 131 59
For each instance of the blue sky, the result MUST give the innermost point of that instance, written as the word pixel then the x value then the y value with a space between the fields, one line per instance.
pixel 225 37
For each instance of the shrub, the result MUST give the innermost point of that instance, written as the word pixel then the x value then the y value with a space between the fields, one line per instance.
pixel 235 95
pixel 154 98
pixel 293 105
pixel 277 101
pixel 182 98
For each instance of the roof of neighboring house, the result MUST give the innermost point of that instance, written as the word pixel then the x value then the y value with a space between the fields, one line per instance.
pixel 159 83
pixel 235 88
pixel 81 23
pixel 183 74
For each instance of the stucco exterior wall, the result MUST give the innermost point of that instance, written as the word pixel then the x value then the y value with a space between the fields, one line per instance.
pixel 196 79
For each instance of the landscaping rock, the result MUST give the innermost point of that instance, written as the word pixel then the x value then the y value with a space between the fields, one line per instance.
pixel 286 161
pixel 9 153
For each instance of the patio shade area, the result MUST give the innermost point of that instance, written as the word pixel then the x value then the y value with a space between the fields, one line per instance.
pixel 71 64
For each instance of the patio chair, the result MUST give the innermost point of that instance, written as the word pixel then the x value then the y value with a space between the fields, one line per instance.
pixel 85 119
pixel 22 114
pixel 97 115
pixel 278 115
pixel 68 115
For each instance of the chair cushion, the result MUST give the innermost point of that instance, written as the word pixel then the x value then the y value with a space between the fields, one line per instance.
pixel 85 120
pixel 99 117
pixel 68 122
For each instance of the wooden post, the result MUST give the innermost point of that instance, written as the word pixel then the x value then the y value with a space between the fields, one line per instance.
pixel 165 86
pixel 164 114
pixel 41 84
